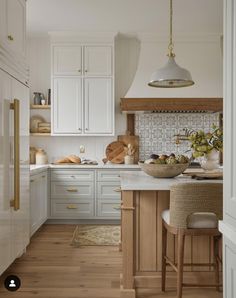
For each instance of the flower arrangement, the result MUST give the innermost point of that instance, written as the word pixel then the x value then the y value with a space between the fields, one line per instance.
pixel 203 143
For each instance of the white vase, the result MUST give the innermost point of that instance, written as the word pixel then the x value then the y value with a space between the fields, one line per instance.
pixel 210 161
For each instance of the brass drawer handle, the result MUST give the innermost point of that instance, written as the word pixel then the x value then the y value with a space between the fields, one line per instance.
pixel 118 189
pixel 32 180
pixel 128 208
pixel 10 37
pixel 72 190
pixel 43 176
pixel 71 207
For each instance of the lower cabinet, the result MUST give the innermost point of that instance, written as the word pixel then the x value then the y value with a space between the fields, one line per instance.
pixel 229 269
pixel 85 194
pixel 38 200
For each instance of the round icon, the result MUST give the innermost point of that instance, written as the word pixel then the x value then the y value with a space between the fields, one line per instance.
pixel 12 283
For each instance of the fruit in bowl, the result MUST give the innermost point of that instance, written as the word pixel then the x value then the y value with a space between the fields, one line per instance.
pixel 165 166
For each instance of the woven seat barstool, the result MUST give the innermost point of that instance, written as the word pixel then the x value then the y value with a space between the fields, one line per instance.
pixel 195 209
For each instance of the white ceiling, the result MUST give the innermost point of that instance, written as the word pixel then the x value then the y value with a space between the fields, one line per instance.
pixel 125 16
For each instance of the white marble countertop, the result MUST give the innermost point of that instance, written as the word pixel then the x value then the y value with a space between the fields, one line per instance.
pixel 36 168
pixel 139 180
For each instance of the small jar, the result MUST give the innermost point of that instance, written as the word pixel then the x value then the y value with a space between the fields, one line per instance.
pixel 129 159
pixel 41 157
pixel 37 98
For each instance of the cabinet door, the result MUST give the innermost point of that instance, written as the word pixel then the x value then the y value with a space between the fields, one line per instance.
pixel 43 198
pixel 229 115
pixel 6 256
pixel 67 60
pixel 99 107
pixel 15 25
pixel 67 106
pixel 38 201
pixel 230 269
pixel 98 61
pixel 20 218
pixel 34 203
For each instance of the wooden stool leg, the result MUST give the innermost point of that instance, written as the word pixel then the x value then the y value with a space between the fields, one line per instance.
pixel 216 263
pixel 181 240
pixel 164 246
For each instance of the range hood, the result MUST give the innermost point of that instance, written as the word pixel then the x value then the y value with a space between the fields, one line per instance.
pixel 172 105
pixel 206 66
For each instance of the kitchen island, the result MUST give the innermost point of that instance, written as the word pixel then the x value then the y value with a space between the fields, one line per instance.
pixel 143 200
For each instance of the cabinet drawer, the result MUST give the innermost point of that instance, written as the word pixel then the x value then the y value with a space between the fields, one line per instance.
pixel 74 175
pixel 71 210
pixel 108 190
pixel 108 209
pixel 75 190
pixel 108 176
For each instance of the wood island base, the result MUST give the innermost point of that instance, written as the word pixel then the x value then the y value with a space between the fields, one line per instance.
pixel 141 245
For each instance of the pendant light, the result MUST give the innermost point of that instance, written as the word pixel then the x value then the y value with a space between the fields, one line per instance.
pixel 171 75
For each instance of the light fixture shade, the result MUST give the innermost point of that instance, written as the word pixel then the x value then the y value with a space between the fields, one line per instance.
pixel 171 76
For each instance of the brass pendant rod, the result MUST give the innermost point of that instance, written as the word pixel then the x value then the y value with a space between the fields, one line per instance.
pixel 171 45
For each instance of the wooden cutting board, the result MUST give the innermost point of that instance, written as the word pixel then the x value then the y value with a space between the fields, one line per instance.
pixel 115 152
pixel 134 141
pixel 205 175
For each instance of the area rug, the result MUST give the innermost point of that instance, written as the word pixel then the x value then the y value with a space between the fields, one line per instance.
pixel 85 235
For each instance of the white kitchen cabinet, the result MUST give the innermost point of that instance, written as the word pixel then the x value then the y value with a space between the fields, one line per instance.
pixel 12 26
pixel 229 269
pixel 99 110
pixel 14 222
pixel 91 194
pixel 228 226
pixel 83 91
pixel 67 106
pixel 67 60
pixel 38 200
pixel 98 61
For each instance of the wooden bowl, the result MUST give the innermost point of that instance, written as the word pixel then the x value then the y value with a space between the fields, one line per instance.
pixel 163 171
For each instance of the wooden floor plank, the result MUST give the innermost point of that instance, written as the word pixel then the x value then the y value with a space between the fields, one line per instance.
pixel 53 268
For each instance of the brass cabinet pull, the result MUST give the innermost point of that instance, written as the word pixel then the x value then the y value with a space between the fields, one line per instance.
pixel 32 180
pixel 71 207
pixel 15 106
pixel 43 176
pixel 118 189
pixel 128 208
pixel 10 37
pixel 72 189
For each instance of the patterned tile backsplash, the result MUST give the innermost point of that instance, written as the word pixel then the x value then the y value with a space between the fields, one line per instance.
pixel 156 131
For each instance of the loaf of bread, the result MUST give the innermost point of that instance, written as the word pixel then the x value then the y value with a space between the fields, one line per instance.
pixel 63 160
pixel 74 159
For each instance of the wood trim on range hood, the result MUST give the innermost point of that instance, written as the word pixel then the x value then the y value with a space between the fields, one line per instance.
pixel 171 105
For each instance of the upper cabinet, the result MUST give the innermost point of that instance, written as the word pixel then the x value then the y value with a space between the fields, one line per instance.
pixel 82 87
pixel 67 60
pixel 98 106
pixel 13 38
pixel 97 61
pixel 67 105
pixel 15 26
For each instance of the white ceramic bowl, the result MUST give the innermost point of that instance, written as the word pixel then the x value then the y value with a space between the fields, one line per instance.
pixel 163 171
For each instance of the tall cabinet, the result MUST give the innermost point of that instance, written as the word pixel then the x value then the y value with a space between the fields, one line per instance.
pixel 228 226
pixel 14 133
pixel 82 85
